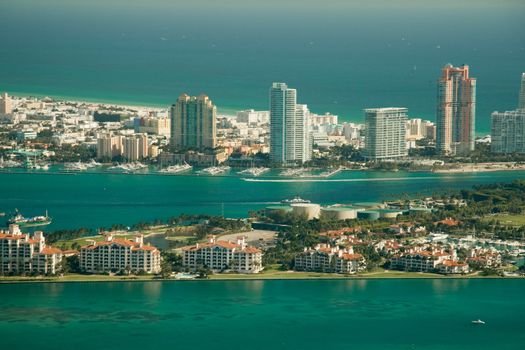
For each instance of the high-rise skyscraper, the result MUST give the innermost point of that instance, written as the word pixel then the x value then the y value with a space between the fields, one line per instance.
pixel 193 122
pixel 521 102
pixel 289 130
pixel 385 131
pixel 6 104
pixel 456 111
pixel 508 132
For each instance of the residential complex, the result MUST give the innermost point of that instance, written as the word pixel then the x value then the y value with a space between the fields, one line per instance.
pixel 193 122
pixel 508 132
pixel 456 110
pixel 385 133
pixel 155 125
pixel 109 146
pixel 22 254
pixel 428 259
pixel 131 148
pixel 135 147
pixel 223 256
pixel 119 255
pixel 325 258
pixel 289 127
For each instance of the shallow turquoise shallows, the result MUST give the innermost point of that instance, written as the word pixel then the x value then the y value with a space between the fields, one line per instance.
pixel 352 314
pixel 100 200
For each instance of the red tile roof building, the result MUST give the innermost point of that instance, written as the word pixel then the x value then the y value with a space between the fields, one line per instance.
pixel 223 256
pixel 324 258
pixel 22 254
pixel 120 255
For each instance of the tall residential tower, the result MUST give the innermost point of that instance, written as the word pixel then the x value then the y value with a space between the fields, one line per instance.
pixel 521 102
pixel 290 141
pixel 193 122
pixel 456 111
pixel 385 131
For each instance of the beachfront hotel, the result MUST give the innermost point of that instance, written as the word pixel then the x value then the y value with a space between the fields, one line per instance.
pixel 385 133
pixel 456 111
pixel 222 256
pixel 324 258
pixel 193 122
pixel 119 255
pixel 21 254
pixel 290 138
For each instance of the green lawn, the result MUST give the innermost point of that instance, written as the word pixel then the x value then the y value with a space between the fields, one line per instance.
pixel 508 219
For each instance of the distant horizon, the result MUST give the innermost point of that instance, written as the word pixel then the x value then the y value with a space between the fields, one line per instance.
pixel 341 56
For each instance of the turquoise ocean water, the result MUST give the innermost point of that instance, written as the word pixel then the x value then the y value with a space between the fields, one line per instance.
pixel 353 314
pixel 100 200
pixel 342 56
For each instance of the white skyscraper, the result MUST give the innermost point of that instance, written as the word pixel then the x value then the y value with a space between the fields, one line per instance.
pixel 385 130
pixel 289 129
pixel 508 132
pixel 521 102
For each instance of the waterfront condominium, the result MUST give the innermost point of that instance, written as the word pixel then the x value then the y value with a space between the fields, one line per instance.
pixel 456 111
pixel 508 132
pixel 223 256
pixel 385 132
pixel 521 102
pixel 193 122
pixel 23 254
pixel 290 140
pixel 324 258
pixel 119 255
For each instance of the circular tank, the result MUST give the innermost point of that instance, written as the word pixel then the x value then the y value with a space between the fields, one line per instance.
pixel 368 215
pixel 389 213
pixel 339 212
pixel 419 210
pixel 311 210
pixel 370 205
pixel 278 208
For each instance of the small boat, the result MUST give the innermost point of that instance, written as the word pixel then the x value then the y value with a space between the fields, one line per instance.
pixel 478 321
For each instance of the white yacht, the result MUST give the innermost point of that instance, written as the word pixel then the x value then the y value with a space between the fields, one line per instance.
pixel 478 321
pixel 254 171
pixel 215 170
pixel 175 169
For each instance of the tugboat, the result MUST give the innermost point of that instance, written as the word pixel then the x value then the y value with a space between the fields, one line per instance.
pixel 18 219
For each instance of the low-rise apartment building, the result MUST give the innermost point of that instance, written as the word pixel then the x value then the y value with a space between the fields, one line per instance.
pixel 22 254
pixel 324 258
pixel 223 256
pixel 419 260
pixel 120 255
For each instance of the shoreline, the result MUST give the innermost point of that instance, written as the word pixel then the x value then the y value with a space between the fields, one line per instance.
pixel 223 111
pixel 396 275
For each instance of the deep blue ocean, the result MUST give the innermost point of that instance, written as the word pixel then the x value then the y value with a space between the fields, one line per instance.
pixel 342 56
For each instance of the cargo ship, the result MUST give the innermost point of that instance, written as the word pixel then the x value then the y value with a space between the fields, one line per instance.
pixel 18 219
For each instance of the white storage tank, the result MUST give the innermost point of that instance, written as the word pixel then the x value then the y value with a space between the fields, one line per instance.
pixel 339 212
pixel 311 210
